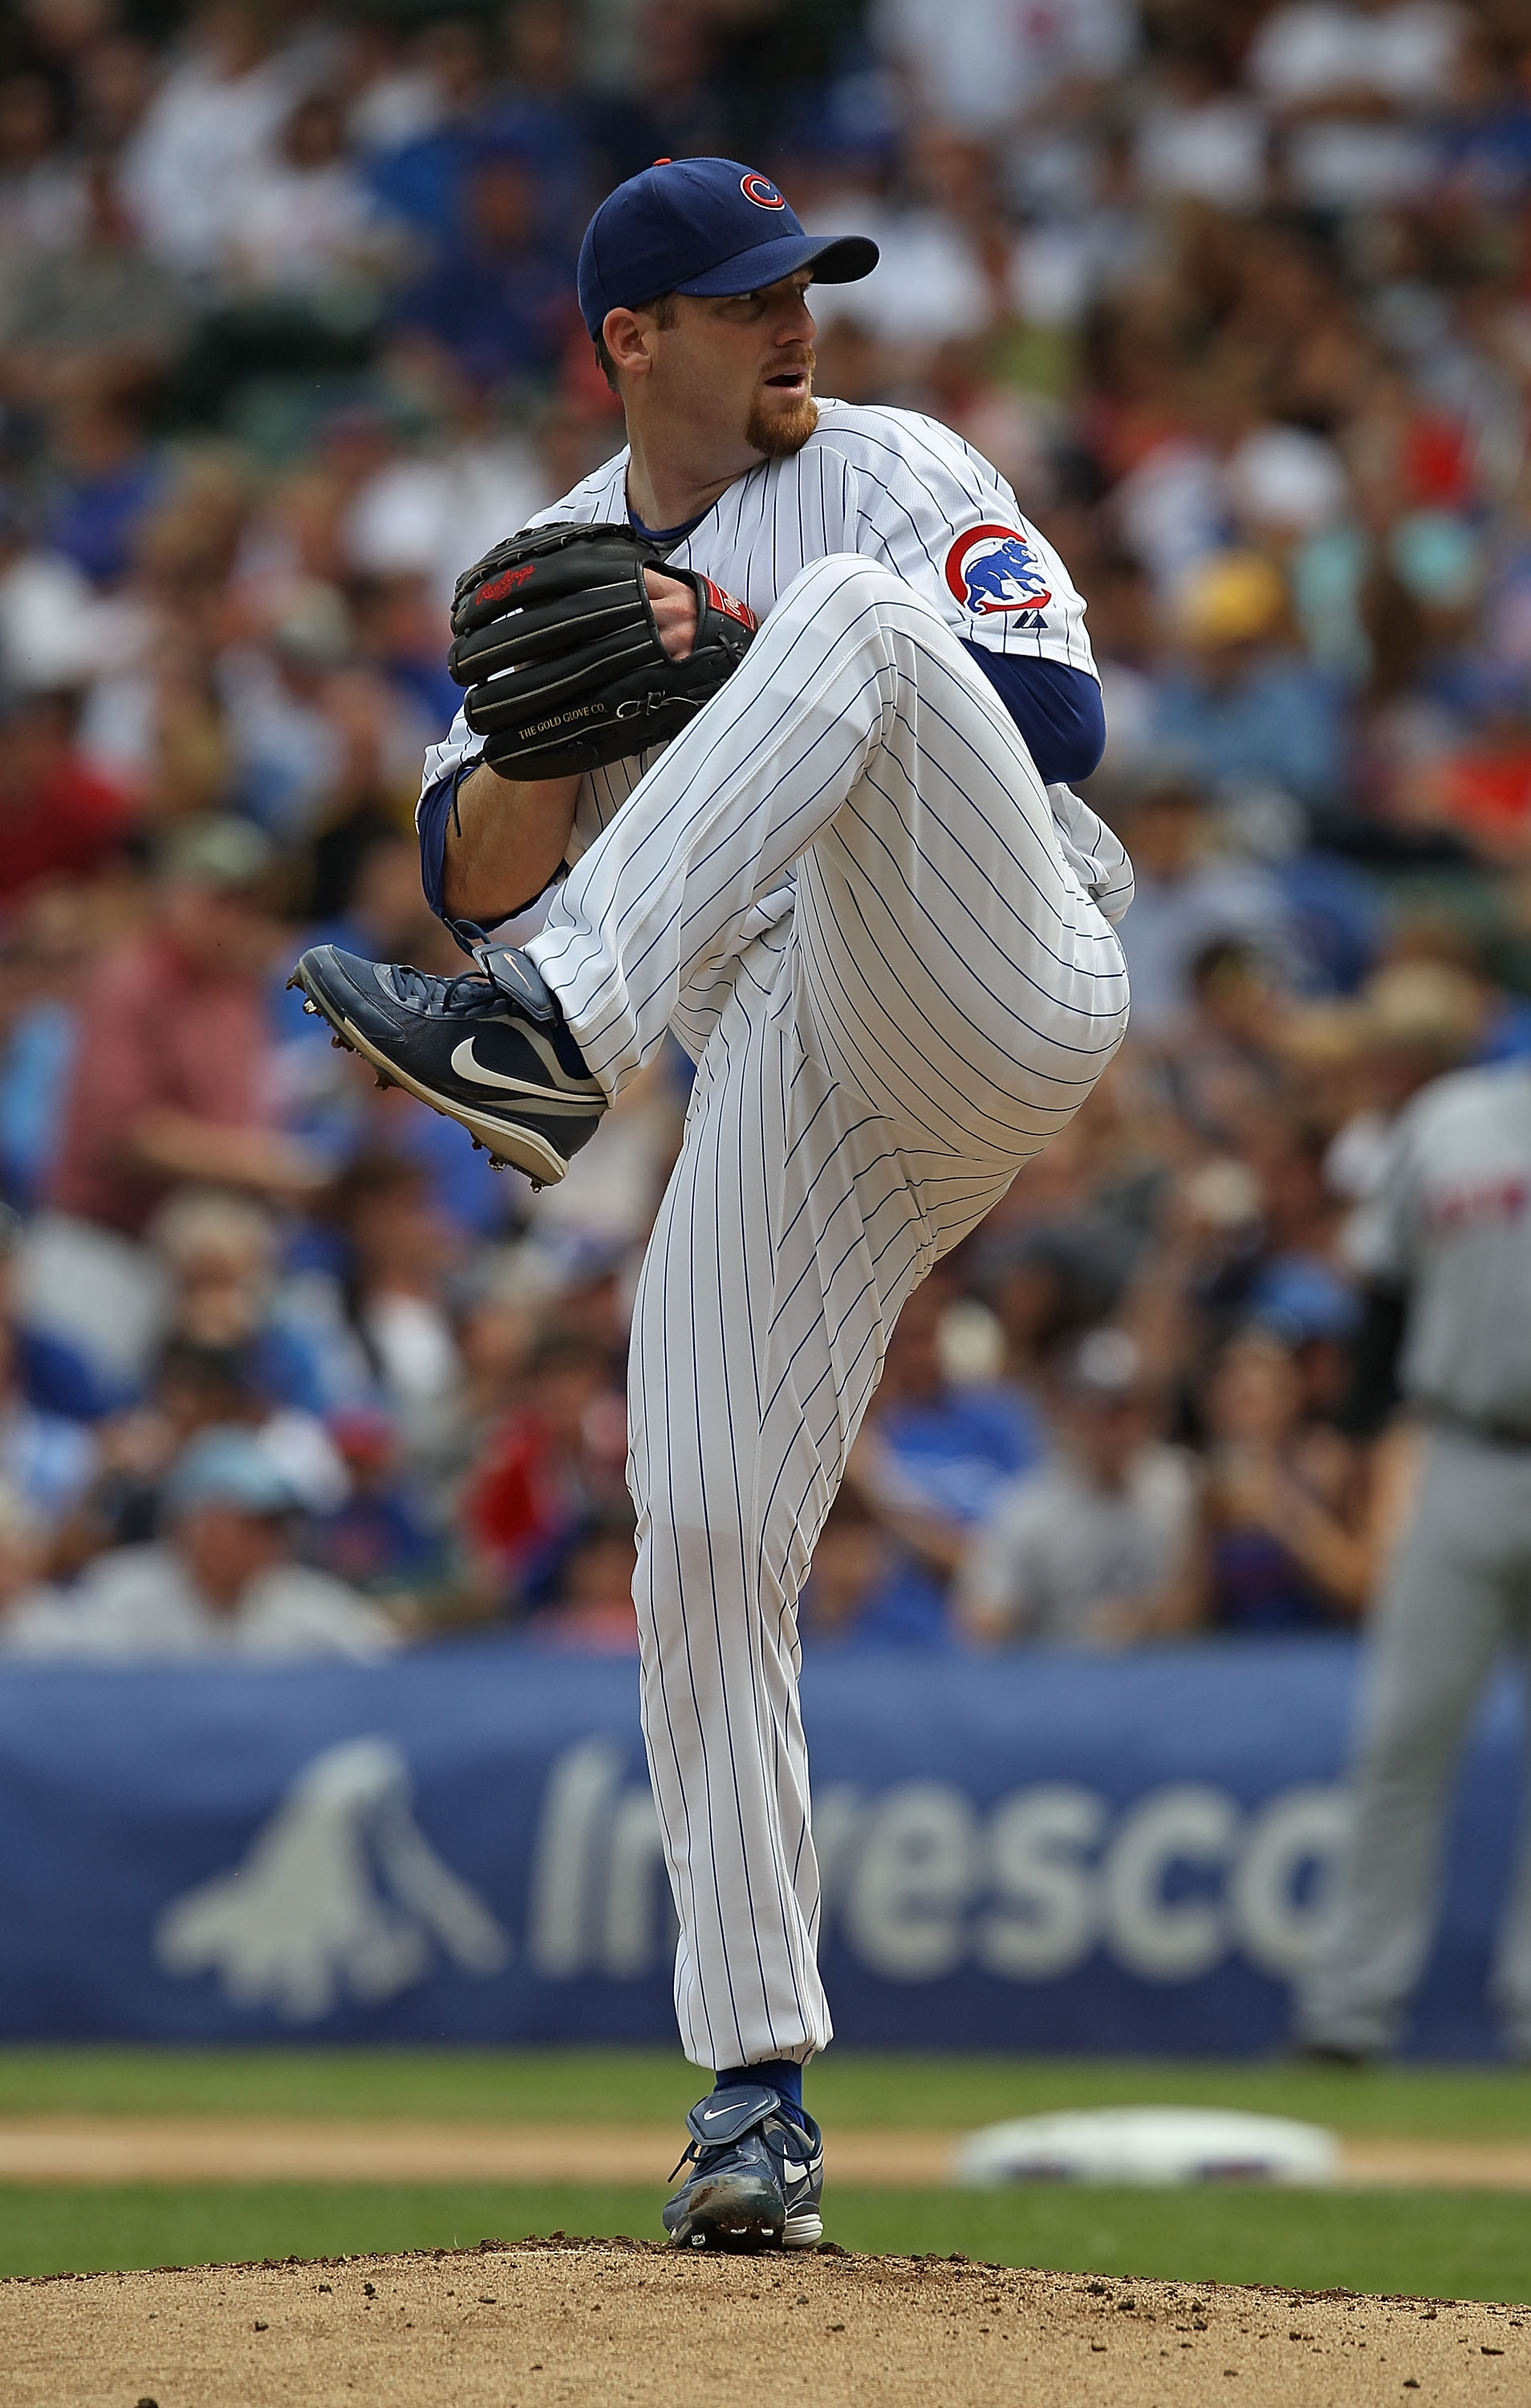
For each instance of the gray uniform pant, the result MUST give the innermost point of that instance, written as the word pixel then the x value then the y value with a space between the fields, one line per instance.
pixel 1456 1596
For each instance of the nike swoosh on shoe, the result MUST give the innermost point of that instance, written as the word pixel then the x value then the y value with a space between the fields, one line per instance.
pixel 564 1089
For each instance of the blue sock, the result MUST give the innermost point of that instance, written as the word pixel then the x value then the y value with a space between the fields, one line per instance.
pixel 778 2074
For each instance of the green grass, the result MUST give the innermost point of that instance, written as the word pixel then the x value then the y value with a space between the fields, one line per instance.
pixel 1446 2244
pixel 1467 2245
pixel 652 2086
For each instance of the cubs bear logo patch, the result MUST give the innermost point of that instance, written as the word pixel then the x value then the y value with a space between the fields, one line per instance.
pixel 993 568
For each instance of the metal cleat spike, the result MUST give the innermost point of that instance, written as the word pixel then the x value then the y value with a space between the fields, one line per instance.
pixel 381 1078
pixel 309 1006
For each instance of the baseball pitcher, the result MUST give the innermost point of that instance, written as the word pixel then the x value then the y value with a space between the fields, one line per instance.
pixel 781 705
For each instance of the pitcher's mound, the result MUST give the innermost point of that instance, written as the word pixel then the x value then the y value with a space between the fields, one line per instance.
pixel 611 2321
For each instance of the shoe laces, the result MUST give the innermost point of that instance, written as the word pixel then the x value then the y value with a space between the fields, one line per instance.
pixel 698 2150
pixel 467 990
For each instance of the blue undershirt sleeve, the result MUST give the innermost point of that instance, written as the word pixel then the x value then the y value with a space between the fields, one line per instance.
pixel 435 810
pixel 1058 710
pixel 431 822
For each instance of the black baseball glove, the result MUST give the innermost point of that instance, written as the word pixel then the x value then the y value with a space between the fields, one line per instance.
pixel 556 643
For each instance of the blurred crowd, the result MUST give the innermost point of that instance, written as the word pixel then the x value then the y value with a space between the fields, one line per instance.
pixel 1238 295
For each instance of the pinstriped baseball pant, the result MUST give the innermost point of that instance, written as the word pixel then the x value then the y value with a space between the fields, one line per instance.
pixel 844 888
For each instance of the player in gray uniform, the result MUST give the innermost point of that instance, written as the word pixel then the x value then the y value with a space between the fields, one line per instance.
pixel 1446 1247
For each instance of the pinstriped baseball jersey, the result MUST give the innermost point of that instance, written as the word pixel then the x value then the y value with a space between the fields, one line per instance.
pixel 901 489
pixel 898 487
pixel 890 950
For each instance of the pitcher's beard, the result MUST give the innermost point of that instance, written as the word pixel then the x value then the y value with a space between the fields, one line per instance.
pixel 777 433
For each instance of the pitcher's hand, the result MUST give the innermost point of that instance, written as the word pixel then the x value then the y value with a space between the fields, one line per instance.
pixel 675 613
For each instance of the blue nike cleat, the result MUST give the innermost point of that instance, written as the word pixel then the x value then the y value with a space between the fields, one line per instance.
pixel 756 2175
pixel 488 1048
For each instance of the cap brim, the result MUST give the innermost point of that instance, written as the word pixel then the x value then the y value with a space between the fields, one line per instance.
pixel 834 259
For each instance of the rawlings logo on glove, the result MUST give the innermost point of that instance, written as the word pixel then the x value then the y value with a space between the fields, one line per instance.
pixel 556 643
pixel 498 587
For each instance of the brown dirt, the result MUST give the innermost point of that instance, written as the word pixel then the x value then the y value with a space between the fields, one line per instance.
pixel 632 2323
pixel 271 2148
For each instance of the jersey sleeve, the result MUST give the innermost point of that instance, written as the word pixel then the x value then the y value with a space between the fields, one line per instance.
pixel 1379 1238
pixel 949 524
pixel 459 745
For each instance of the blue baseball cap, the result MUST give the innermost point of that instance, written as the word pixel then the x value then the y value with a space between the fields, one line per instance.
pixel 706 226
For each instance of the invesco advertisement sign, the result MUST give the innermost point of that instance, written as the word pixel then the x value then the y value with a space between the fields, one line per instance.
pixel 1031 1890
pixel 922 1886
pixel 1039 1851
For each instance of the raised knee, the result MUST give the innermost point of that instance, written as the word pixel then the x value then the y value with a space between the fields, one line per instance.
pixel 861 582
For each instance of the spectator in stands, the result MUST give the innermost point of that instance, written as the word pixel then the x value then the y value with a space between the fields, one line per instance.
pixel 678 89
pixel 1244 706
pixel 193 1389
pixel 44 601
pixel 110 476
pixel 400 1250
pixel 212 118
pixel 303 222
pixel 96 314
pixel 48 1460
pixel 992 68
pixel 48 927
pixel 933 1452
pixel 58 815
pixel 506 1304
pixel 1356 86
pixel 497 301
pixel 222 1582
pixel 1089 1549
pixel 420 142
pixel 551 1463
pixel 1283 1540
pixel 867 1589
pixel 1189 893
pixel 545 112
pixel 39 195
pixel 320 747
pixel 221 1253
pixel 172 1074
pixel 591 1608
pixel 383 1538
pixel 1480 786
pixel 1225 1062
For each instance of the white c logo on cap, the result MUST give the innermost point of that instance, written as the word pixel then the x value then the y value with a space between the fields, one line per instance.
pixel 759 189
